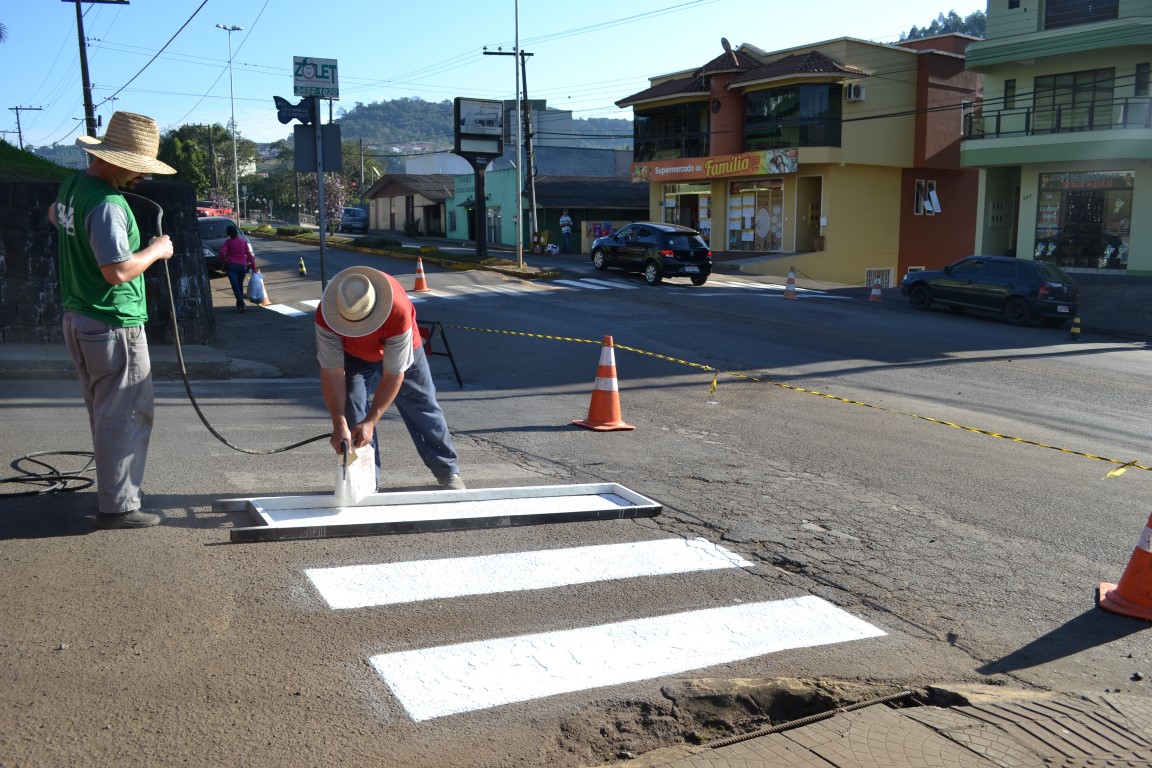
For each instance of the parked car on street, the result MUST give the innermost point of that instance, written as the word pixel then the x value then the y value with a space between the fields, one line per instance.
pixel 656 250
pixel 213 233
pixel 1020 289
pixel 208 208
pixel 354 220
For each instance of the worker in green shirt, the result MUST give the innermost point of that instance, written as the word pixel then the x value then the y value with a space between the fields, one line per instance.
pixel 102 269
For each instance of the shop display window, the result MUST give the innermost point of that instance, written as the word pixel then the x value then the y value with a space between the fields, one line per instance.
pixel 1084 219
pixel 756 215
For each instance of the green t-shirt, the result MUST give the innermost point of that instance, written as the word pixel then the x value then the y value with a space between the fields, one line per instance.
pixel 88 209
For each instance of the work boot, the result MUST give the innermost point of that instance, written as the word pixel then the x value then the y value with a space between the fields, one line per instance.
pixel 137 518
pixel 453 482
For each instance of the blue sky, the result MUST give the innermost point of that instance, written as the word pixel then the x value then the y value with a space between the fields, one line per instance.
pixel 167 58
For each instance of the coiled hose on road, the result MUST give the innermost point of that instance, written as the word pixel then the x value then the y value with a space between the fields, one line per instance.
pixel 54 480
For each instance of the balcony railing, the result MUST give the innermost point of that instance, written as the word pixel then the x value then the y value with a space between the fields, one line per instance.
pixel 1128 112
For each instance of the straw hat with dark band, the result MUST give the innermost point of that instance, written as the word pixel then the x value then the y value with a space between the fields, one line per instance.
pixel 357 301
pixel 131 142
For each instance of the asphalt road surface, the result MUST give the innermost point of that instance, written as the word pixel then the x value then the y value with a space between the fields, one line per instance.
pixel 845 504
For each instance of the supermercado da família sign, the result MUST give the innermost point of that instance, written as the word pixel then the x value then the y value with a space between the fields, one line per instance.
pixel 771 162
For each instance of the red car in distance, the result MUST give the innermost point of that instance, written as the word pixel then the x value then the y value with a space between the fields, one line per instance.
pixel 207 208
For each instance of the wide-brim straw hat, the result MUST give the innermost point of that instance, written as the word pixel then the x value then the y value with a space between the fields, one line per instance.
pixel 131 142
pixel 357 301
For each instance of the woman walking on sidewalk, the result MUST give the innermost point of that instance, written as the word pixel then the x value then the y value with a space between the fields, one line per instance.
pixel 237 258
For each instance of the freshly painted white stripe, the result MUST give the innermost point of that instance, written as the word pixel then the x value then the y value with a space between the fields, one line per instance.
pixel 284 309
pixel 357 586
pixel 583 284
pixel 610 283
pixel 312 303
pixel 435 682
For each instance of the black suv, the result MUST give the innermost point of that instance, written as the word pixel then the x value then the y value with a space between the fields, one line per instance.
pixel 1020 289
pixel 657 250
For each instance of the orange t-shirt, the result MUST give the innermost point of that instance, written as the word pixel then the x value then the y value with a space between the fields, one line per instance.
pixel 401 319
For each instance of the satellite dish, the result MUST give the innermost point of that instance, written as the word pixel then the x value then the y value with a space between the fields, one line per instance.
pixel 727 45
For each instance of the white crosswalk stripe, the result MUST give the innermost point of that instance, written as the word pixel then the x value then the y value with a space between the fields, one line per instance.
pixel 444 680
pixel 448 680
pixel 457 293
pixel 357 586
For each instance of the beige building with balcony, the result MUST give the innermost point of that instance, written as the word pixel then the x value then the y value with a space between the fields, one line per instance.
pixel 1063 136
pixel 842 157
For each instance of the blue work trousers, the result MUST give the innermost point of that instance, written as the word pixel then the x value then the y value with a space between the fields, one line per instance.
pixel 417 405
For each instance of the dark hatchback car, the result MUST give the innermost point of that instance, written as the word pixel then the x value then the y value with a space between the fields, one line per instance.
pixel 1019 289
pixel 656 250
pixel 354 220
pixel 213 234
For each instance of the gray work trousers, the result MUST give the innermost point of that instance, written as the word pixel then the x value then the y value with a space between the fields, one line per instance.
pixel 116 378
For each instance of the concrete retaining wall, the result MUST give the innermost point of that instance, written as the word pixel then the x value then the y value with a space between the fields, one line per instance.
pixel 29 282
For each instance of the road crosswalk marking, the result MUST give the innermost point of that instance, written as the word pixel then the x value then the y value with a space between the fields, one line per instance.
pixel 456 293
pixel 452 679
pixel 358 586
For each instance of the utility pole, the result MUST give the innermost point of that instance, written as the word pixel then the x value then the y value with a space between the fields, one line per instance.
pixel 89 110
pixel 230 28
pixel 525 143
pixel 528 143
pixel 19 130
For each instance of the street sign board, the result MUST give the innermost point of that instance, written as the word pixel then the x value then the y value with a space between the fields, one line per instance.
pixel 286 111
pixel 479 126
pixel 315 77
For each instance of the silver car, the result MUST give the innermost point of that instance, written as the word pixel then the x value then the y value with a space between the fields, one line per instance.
pixel 213 234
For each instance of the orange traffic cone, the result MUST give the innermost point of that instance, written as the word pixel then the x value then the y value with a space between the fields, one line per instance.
pixel 790 288
pixel 421 282
pixel 604 411
pixel 1133 595
pixel 876 295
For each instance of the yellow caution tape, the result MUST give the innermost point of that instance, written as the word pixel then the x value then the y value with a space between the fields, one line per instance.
pixel 1117 472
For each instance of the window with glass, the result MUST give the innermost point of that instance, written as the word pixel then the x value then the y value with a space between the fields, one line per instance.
pixel 756 215
pixel 927 198
pixel 794 116
pixel 1084 219
pixel 1074 101
pixel 1010 94
pixel 689 205
pixel 1070 13
pixel 671 132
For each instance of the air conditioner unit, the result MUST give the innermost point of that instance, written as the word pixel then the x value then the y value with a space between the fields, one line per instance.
pixel 854 92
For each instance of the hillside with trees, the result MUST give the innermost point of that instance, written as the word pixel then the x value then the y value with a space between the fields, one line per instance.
pixel 411 123
pixel 973 24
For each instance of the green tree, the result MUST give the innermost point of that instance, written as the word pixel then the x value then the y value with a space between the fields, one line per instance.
pixel 973 24
pixel 355 153
pixel 335 197
pixel 215 142
pixel 188 160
